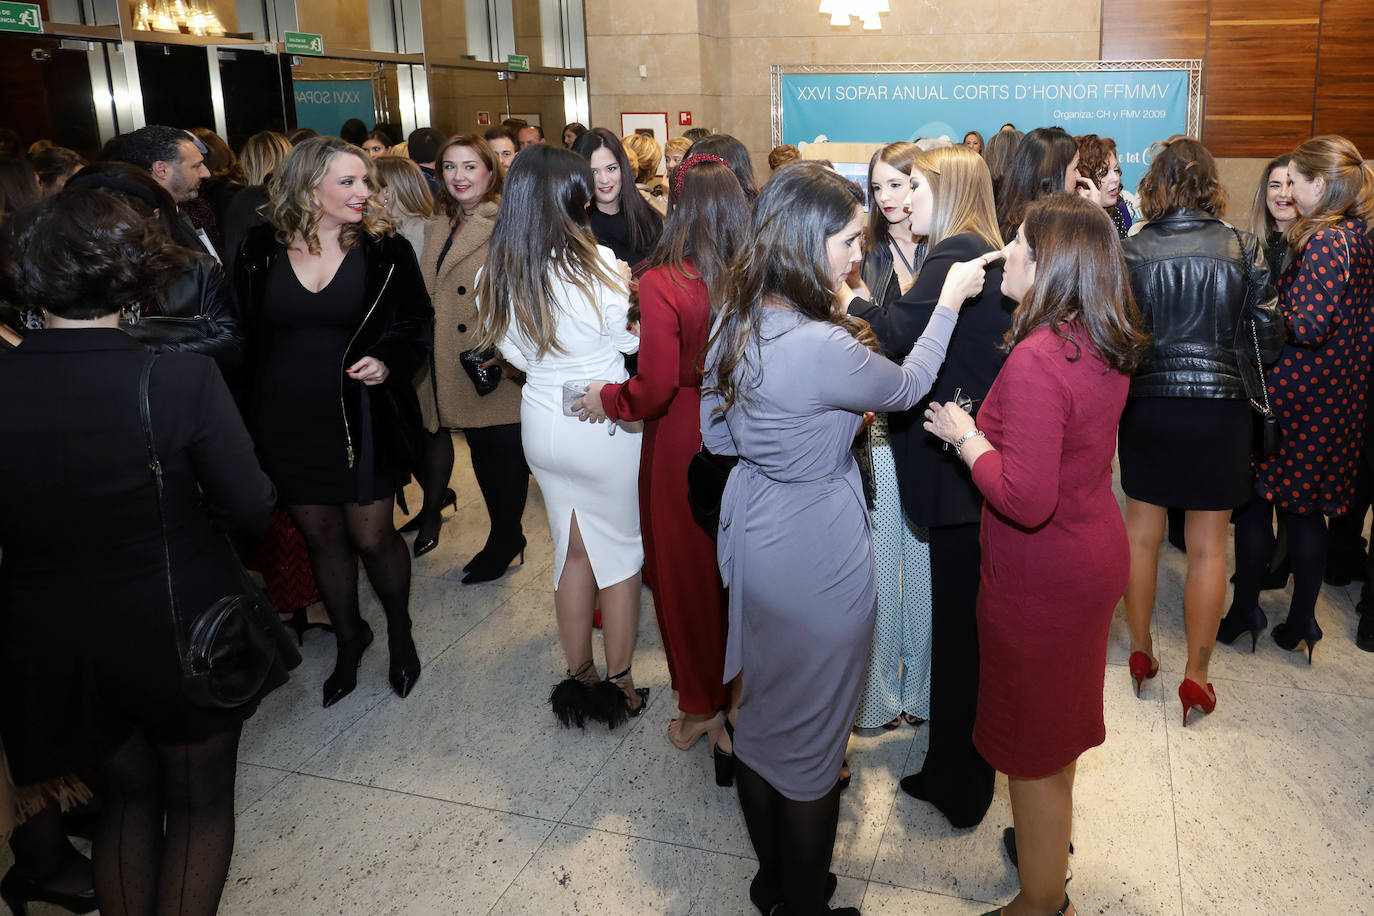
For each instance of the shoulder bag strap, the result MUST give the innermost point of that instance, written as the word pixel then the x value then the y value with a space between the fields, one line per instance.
pixel 1254 334
pixel 155 468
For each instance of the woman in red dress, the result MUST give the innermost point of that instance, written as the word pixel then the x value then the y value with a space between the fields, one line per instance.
pixel 707 224
pixel 1054 552
pixel 1319 388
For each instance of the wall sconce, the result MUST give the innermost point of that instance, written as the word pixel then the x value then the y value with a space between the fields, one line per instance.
pixel 865 11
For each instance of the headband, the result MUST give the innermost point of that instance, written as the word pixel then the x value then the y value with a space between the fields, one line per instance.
pixel 687 164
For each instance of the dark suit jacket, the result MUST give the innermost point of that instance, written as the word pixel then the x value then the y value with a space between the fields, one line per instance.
pixel 935 486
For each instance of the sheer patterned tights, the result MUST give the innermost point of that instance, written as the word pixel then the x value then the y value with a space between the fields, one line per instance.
pixel 166 829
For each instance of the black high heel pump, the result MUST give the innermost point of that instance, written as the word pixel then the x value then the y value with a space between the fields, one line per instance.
pixel 725 760
pixel 1292 633
pixel 450 499
pixel 345 677
pixel 1237 623
pixel 18 892
pixel 492 564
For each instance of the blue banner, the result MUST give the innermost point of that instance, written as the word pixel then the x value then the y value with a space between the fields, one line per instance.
pixel 1133 107
pixel 326 104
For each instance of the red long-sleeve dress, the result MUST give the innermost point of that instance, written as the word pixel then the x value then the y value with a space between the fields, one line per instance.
pixel 1055 556
pixel 680 558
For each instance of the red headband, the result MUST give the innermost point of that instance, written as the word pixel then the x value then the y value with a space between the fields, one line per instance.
pixel 687 164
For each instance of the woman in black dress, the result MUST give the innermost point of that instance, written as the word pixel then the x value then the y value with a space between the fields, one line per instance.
pixel 622 219
pixel 340 323
pixel 89 672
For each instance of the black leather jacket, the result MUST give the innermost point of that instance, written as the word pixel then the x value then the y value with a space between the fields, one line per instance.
pixel 397 328
pixel 1198 284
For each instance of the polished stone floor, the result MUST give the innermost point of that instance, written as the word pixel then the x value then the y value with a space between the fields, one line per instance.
pixel 467 798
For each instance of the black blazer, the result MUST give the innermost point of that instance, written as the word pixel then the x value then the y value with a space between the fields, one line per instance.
pixel 935 486
pixel 397 328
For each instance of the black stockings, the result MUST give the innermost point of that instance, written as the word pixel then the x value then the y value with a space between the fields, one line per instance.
pixel 498 461
pixel 793 840
pixel 333 535
pixel 436 467
pixel 1307 539
pixel 166 829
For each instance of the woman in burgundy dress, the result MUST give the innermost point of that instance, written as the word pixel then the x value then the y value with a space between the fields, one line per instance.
pixel 706 226
pixel 1319 388
pixel 1054 552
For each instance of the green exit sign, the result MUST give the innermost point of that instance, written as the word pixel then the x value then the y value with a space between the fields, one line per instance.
pixel 301 43
pixel 25 17
pixel 518 63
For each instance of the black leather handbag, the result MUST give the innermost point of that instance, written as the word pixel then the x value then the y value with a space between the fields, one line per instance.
pixel 226 651
pixel 707 475
pixel 484 380
pixel 159 332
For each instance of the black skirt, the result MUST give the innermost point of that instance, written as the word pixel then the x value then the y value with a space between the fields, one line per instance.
pixel 1186 453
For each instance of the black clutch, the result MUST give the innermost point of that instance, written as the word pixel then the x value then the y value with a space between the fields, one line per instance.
pixel 707 475
pixel 484 380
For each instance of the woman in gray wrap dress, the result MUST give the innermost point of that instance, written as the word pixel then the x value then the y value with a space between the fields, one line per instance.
pixel 785 389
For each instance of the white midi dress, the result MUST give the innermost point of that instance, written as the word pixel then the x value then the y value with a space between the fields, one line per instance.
pixel 582 468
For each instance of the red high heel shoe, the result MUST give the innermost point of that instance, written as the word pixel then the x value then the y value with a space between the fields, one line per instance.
pixel 1190 695
pixel 1143 667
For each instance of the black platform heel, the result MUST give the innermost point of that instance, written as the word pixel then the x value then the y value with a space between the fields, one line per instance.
pixel 450 500
pixel 345 677
pixel 1237 623
pixel 18 892
pixel 724 760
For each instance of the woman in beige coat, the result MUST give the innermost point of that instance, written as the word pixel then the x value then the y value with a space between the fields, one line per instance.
pixel 455 249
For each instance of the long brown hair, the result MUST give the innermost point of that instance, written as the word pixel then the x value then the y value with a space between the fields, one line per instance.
pixel 708 225
pixel 899 155
pixel 1349 186
pixel 1080 275
pixel 785 258
pixel 1261 220
pixel 541 234
pixel 483 149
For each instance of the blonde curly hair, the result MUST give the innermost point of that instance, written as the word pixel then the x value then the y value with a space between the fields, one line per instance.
pixel 293 207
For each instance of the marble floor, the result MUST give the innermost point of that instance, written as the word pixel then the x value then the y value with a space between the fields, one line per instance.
pixel 466 798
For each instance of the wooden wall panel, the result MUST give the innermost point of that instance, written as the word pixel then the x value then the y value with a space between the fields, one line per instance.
pixel 1261 75
pixel 1345 80
pixel 1154 29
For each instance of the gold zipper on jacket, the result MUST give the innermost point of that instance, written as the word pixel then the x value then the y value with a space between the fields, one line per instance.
pixel 343 370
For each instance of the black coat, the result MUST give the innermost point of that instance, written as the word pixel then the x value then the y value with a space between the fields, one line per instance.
pixel 201 291
pixel 397 328
pixel 935 486
pixel 1198 283
pixel 86 646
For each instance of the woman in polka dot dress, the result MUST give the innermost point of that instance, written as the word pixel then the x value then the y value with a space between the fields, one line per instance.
pixel 1318 389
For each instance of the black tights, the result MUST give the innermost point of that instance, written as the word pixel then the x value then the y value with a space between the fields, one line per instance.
pixel 498 463
pixel 793 840
pixel 433 474
pixel 333 535
pixel 1307 539
pixel 166 829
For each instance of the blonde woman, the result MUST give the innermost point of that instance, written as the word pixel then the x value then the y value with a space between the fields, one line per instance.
pixel 404 196
pixel 951 205
pixel 456 242
pixel 647 156
pixel 261 154
pixel 341 323
pixel 551 299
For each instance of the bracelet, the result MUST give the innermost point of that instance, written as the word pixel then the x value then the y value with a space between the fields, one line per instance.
pixel 962 440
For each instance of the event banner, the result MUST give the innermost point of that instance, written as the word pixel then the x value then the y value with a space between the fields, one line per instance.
pixel 326 104
pixel 1133 107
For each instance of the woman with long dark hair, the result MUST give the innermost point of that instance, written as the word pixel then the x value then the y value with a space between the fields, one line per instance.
pixel 898 687
pixel 1055 557
pixel 1318 389
pixel 621 218
pixel 456 243
pixel 951 205
pixel 678 295
pixel 1272 213
pixel 1045 162
pixel 1187 429
pixel 786 383
pixel 551 300
pixel 340 323
pixel 735 153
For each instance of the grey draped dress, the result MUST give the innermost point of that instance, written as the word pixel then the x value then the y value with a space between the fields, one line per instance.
pixel 794 545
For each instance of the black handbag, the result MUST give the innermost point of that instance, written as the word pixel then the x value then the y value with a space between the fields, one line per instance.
pixel 707 475
pixel 226 651
pixel 484 380
pixel 160 332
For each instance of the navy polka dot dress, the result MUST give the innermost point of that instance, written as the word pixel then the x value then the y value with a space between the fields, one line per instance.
pixel 1319 387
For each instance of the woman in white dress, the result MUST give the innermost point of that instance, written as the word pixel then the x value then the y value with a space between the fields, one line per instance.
pixel 555 305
